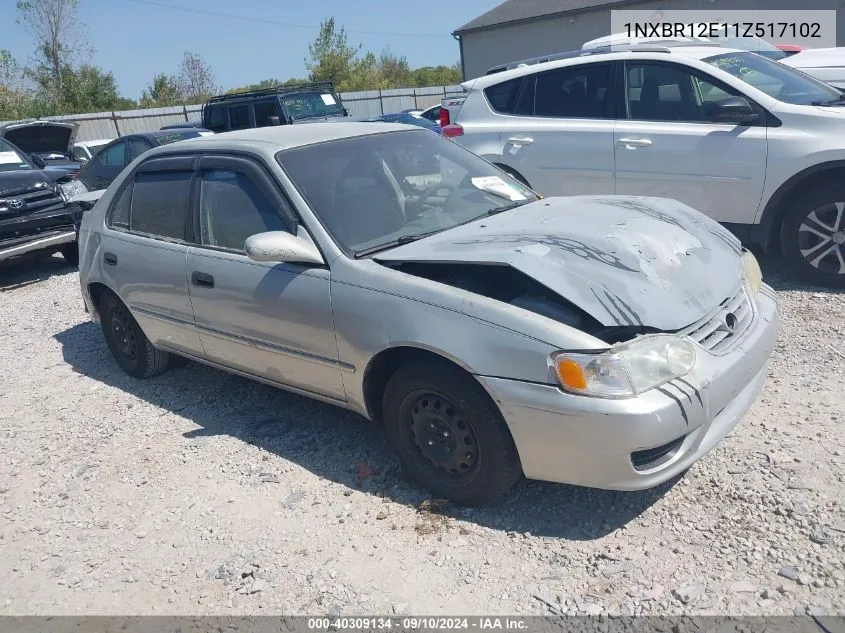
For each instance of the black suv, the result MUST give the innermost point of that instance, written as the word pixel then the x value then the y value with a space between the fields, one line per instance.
pixel 282 105
pixel 34 214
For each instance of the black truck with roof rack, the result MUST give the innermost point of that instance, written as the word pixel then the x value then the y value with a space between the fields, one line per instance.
pixel 279 105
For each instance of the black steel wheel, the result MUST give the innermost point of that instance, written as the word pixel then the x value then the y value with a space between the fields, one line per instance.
pixel 449 434
pixel 126 341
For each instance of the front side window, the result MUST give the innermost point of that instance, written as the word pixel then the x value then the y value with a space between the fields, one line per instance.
pixel 11 159
pixel 580 92
pixel 159 203
pixel 232 208
pixel 775 79
pixel 373 191
pixel 114 156
pixel 137 147
pixel 667 92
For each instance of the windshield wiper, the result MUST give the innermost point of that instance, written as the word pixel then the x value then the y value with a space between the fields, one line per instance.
pixel 399 241
pixel 840 100
pixel 507 207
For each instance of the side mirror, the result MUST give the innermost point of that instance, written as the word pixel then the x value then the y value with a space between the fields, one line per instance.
pixel 273 120
pixel 281 246
pixel 734 110
pixel 38 161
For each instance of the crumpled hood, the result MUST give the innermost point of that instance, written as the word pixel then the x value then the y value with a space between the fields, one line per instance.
pixel 23 180
pixel 624 260
pixel 39 137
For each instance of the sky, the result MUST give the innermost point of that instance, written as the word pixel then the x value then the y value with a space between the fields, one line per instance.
pixel 135 39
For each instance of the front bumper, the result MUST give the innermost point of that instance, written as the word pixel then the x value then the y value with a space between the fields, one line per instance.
pixel 596 442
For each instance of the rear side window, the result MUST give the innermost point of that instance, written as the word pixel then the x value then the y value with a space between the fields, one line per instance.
pixel 263 111
pixel 578 92
pixel 502 97
pixel 160 203
pixel 120 211
pixel 217 119
pixel 239 117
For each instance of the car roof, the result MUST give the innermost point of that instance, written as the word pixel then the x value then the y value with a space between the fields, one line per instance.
pixel 591 56
pixel 279 137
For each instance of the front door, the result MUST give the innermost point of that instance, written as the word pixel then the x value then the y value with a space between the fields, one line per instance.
pixel 563 144
pixel 271 320
pixel 668 147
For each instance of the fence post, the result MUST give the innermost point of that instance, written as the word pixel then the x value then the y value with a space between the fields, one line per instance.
pixel 116 126
pixel 185 111
pixel 416 104
pixel 380 102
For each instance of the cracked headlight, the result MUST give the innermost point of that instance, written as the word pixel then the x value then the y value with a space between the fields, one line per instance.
pixel 750 272
pixel 626 370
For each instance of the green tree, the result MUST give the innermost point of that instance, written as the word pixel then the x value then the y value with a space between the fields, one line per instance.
pixel 164 91
pixel 59 42
pixel 331 56
pixel 90 89
pixel 196 79
pixel 437 75
pixel 394 71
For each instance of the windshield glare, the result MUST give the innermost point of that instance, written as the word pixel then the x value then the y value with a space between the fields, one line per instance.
pixel 305 105
pixel 776 80
pixel 11 159
pixel 369 191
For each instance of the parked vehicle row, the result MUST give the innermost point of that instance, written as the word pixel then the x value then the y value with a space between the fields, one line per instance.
pixel 751 142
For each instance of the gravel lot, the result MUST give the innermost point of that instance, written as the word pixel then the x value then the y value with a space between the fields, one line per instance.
pixel 199 492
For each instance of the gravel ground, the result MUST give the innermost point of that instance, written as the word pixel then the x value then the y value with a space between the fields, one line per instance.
pixel 202 493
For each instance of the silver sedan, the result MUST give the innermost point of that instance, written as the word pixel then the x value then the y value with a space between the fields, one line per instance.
pixel 603 341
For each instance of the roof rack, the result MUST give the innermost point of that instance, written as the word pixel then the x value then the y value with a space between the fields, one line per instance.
pixel 662 46
pixel 321 86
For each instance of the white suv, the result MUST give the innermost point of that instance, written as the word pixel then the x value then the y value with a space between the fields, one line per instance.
pixel 752 143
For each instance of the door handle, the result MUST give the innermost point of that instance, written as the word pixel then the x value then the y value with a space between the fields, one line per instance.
pixel 631 143
pixel 202 279
pixel 110 259
pixel 521 140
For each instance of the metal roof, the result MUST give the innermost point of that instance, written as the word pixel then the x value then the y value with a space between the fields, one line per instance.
pixel 519 10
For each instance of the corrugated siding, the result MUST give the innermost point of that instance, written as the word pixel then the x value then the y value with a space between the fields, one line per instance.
pixel 98 125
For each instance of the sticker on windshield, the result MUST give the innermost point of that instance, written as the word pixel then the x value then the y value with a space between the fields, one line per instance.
pixel 328 99
pixel 9 158
pixel 497 186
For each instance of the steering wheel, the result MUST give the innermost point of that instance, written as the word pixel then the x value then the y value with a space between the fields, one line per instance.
pixel 415 208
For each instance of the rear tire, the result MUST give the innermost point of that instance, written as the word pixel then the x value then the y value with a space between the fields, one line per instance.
pixel 126 341
pixel 449 434
pixel 813 236
pixel 71 253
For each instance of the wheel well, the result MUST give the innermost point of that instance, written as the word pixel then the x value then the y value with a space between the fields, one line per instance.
pixel 96 290
pixel 780 202
pixel 384 364
pixel 514 173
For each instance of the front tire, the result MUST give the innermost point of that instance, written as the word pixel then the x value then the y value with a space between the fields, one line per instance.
pixel 127 343
pixel 813 236
pixel 71 253
pixel 449 434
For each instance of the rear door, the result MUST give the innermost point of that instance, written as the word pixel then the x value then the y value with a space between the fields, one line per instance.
pixel 145 252
pixel 270 320
pixel 667 146
pixel 560 137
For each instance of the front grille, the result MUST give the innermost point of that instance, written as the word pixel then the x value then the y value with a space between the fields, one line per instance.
pixel 725 327
pixel 34 199
pixel 653 457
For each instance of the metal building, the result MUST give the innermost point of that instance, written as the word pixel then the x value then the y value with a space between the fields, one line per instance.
pixel 522 29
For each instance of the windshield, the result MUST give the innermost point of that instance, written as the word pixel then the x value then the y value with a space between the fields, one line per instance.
pixel 11 159
pixel 305 105
pixel 382 189
pixel 776 80
pixel 166 139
